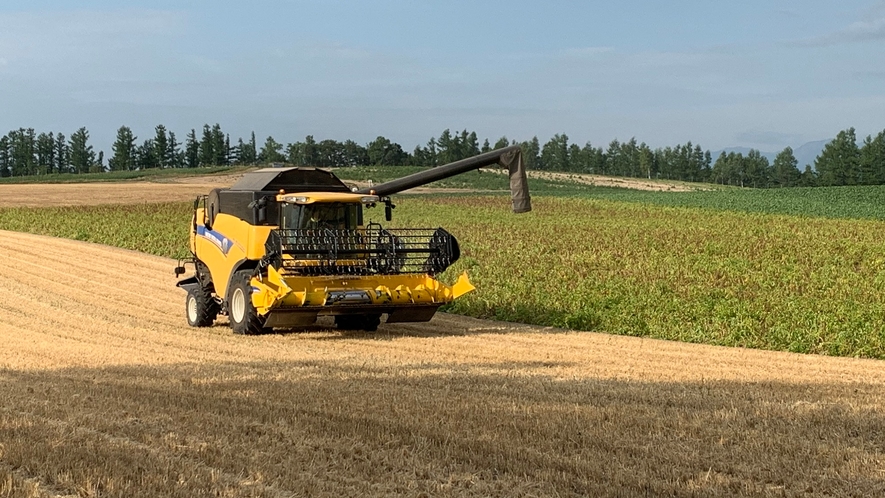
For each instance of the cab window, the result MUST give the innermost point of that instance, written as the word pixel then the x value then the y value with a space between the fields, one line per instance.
pixel 322 215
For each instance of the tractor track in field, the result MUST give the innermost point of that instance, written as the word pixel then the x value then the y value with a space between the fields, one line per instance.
pixel 105 387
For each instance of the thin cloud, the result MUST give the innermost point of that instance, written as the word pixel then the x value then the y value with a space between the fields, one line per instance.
pixel 43 35
pixel 870 75
pixel 567 53
pixel 586 52
pixel 858 32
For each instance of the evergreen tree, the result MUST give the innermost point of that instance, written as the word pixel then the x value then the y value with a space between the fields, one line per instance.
pixel 98 165
pixel 431 152
pixel 719 175
pixel 630 158
pixel 295 153
pixel 446 148
pixel 270 152
pixel 355 154
pixel 238 152
pixel 16 160
pixel 731 169
pixel 577 161
pixel 646 160
pixel 45 148
pixel 22 149
pixel 146 155
pixel 124 150
pixel 555 154
pixel 207 148
pixel 192 150
pixel 248 153
pixel 808 178
pixel 785 171
pixel 309 153
pixel 161 147
pixel 219 148
pixel 486 146
pixel 757 170
pixel 382 151
pixel 4 157
pixel 30 146
pixel 839 162
pixel 174 157
pixel 872 160
pixel 471 145
pixel 701 164
pixel 708 160
pixel 62 154
pixel 82 155
pixel 254 148
pixel 662 159
pixel 594 160
pixel 331 154
pixel 419 156
pixel 613 161
pixel 459 146
pixel 531 153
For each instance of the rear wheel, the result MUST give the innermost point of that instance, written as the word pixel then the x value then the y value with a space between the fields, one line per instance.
pixel 368 323
pixel 244 319
pixel 201 308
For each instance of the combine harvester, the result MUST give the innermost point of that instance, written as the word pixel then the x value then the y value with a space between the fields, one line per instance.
pixel 285 245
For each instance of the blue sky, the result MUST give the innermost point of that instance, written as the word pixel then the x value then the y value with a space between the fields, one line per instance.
pixel 763 74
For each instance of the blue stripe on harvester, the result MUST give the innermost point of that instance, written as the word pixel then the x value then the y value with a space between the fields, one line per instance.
pixel 223 243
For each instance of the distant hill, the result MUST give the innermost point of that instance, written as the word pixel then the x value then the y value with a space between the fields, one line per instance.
pixel 805 153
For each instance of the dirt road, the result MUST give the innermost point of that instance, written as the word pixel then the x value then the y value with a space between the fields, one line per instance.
pixel 105 390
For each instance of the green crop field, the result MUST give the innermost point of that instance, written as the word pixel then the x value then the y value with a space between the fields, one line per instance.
pixel 866 202
pixel 829 202
pixel 729 270
pixel 159 229
pixel 739 279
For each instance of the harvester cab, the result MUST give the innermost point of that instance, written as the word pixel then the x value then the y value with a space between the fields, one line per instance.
pixel 285 245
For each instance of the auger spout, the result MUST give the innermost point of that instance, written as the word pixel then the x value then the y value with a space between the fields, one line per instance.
pixel 508 157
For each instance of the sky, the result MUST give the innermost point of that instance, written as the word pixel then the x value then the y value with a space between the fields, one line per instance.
pixel 756 73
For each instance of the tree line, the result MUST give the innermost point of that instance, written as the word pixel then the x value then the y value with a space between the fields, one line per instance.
pixel 842 161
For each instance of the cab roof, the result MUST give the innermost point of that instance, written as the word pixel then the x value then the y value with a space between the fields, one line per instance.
pixel 312 197
pixel 291 180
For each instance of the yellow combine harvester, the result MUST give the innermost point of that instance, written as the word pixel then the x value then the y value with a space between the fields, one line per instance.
pixel 285 245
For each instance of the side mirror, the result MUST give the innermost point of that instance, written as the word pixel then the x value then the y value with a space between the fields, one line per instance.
pixel 179 270
pixel 259 208
pixel 388 208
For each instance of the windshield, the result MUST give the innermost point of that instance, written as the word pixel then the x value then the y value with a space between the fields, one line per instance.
pixel 322 215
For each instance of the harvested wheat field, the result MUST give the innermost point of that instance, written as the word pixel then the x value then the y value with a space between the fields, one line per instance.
pixel 127 192
pixel 610 181
pixel 134 192
pixel 106 392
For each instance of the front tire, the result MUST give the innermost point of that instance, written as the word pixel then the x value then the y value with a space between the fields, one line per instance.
pixel 200 307
pixel 244 319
